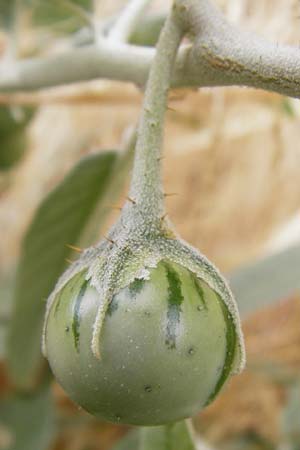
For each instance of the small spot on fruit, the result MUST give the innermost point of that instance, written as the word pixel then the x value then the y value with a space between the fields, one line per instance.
pixel 148 388
pixel 191 351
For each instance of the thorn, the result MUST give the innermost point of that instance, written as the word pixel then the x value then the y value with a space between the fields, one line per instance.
pixel 160 158
pixel 69 261
pixel 109 240
pixel 171 109
pixel 170 194
pixel 115 207
pixel 131 200
pixel 73 247
pixel 163 217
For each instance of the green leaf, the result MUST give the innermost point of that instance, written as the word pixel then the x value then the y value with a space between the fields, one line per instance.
pixel 70 14
pixel 103 207
pixel 291 417
pixel 287 107
pixel 147 31
pixel 129 442
pixel 27 421
pixel 267 281
pixel 172 437
pixel 14 118
pixel 6 284
pixel 59 221
pixel 13 142
pixel 7 12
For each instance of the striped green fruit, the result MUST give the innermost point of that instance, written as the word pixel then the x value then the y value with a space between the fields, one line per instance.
pixel 167 346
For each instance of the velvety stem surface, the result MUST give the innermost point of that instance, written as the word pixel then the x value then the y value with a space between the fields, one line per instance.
pixel 146 186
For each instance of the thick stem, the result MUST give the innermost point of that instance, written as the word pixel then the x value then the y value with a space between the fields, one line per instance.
pixel 146 185
pixel 221 55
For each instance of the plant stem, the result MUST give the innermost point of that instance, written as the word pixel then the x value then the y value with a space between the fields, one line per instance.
pixel 128 20
pixel 146 183
pixel 173 436
pixel 221 55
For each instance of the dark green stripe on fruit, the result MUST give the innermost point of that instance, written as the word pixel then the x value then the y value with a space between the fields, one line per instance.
pixel 231 342
pixel 113 305
pixel 199 290
pixel 76 314
pixel 71 286
pixel 59 295
pixel 136 287
pixel 175 298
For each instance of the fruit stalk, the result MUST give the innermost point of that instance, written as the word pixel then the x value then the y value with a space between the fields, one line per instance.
pixel 146 185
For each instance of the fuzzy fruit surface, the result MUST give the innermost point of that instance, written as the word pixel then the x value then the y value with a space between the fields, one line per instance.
pixel 167 347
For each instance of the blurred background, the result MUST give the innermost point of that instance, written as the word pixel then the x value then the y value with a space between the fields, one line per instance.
pixel 232 156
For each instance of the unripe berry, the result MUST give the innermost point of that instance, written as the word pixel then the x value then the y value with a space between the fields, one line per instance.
pixel 167 344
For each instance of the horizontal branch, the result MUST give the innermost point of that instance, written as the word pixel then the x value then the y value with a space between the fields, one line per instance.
pixel 109 60
pixel 220 55
pixel 225 55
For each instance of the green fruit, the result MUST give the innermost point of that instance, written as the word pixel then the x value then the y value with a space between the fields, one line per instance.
pixel 167 346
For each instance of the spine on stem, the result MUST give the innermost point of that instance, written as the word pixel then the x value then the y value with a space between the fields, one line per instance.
pixel 146 185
